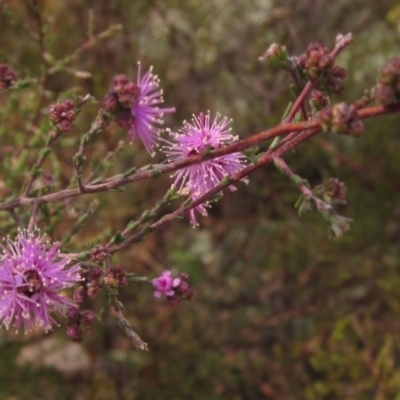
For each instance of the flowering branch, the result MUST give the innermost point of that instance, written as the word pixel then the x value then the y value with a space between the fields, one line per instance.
pixel 204 158
pixel 161 169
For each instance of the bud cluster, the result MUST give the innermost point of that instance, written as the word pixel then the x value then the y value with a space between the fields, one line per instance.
pixel 277 57
pixel 79 323
pixel 63 114
pixel 114 277
pixel 318 100
pixel 317 65
pixel 90 284
pixel 387 90
pixel 121 96
pixel 333 191
pixel 7 77
pixel 98 254
pixel 342 119
pixel 181 292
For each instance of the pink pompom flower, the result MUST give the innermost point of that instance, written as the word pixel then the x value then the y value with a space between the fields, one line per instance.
pixel 32 275
pixel 146 111
pixel 193 139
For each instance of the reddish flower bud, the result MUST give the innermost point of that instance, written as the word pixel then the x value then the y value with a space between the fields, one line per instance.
pixel 384 94
pixel 73 315
pixel 80 294
pixel 277 57
pixel 341 118
pixel 184 289
pixel 136 106
pixel 94 274
pixel 317 65
pixel 124 90
pixel 75 333
pixel 387 90
pixel 93 288
pixel 115 277
pixel 7 76
pixel 63 114
pixel 110 102
pixel 124 119
pixel 174 301
pixel 334 191
pixel 318 100
pixel 87 317
pixel 98 254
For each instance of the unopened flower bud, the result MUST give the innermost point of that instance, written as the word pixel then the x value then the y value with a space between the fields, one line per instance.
pixel 93 288
pixel 341 118
pixel 80 294
pixel 387 90
pixel 98 254
pixel 64 125
pixel 318 100
pixel 384 94
pixel 317 65
pixel 94 274
pixel 390 73
pixel 73 315
pixel 63 114
pixel 7 76
pixel 344 40
pixel 315 60
pixel 115 277
pixel 119 83
pixel 136 106
pixel 110 102
pixel 87 317
pixel 335 80
pixel 75 333
pixel 184 289
pixel 335 191
pixel 174 301
pixel 277 57
pixel 126 91
pixel 124 119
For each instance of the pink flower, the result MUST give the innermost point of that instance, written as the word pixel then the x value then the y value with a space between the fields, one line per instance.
pixel 165 284
pixel 194 138
pixel 32 275
pixel 145 110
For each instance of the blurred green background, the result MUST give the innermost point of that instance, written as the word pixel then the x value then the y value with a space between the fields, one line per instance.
pixel 281 312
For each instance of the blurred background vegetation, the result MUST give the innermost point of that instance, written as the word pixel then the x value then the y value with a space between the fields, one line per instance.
pixel 281 312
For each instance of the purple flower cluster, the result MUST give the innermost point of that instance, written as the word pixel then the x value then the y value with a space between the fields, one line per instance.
pixel 146 111
pixel 136 106
pixel 193 139
pixel 32 274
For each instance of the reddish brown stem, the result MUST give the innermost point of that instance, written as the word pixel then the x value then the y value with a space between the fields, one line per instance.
pixel 307 126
